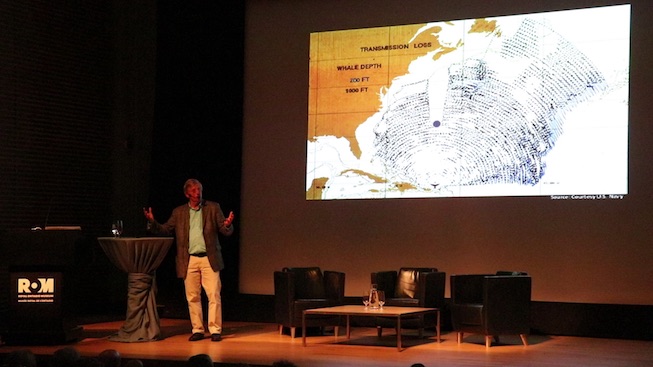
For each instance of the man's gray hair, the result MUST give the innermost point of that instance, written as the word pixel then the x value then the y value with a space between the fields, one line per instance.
pixel 192 182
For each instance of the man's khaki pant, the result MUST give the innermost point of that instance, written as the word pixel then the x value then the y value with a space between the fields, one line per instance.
pixel 200 275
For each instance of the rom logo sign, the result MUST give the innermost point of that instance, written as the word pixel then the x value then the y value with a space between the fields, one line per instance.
pixel 40 285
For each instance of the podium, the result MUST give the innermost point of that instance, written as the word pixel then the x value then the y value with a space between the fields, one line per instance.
pixel 139 258
pixel 37 263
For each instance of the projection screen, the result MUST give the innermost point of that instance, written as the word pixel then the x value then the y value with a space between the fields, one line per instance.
pixel 470 136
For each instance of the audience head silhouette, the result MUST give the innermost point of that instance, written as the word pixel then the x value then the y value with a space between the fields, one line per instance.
pixel 88 362
pixel 21 358
pixel 110 358
pixel 200 360
pixel 283 363
pixel 64 357
pixel 134 363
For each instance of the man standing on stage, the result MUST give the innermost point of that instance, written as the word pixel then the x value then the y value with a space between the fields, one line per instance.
pixel 199 258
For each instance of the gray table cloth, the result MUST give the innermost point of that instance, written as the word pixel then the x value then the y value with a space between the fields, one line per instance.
pixel 139 258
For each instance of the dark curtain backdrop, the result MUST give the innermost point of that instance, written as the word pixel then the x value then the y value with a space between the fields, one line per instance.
pixel 107 107
pixel 198 121
pixel 55 114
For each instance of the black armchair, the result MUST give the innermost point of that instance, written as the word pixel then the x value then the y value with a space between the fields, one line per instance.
pixel 410 287
pixel 299 289
pixel 491 305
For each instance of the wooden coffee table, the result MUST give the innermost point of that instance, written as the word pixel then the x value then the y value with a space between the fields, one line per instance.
pixel 386 311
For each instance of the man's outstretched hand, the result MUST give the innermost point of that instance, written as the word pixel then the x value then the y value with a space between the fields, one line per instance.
pixel 148 214
pixel 230 218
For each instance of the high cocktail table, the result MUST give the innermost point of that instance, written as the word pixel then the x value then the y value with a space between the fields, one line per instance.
pixel 138 257
pixel 386 311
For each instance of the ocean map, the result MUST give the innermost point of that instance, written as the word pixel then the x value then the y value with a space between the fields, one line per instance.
pixel 521 105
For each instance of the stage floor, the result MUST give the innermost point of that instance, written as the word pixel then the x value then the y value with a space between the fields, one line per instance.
pixel 261 344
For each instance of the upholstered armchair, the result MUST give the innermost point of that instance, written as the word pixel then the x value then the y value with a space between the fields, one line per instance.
pixel 299 289
pixel 410 287
pixel 491 305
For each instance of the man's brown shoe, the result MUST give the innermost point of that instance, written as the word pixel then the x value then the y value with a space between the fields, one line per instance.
pixel 195 337
pixel 216 337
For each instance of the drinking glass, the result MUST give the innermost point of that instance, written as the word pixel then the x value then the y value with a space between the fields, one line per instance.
pixel 381 298
pixel 116 228
pixel 366 299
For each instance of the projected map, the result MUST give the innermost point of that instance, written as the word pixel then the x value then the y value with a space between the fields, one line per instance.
pixel 526 105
